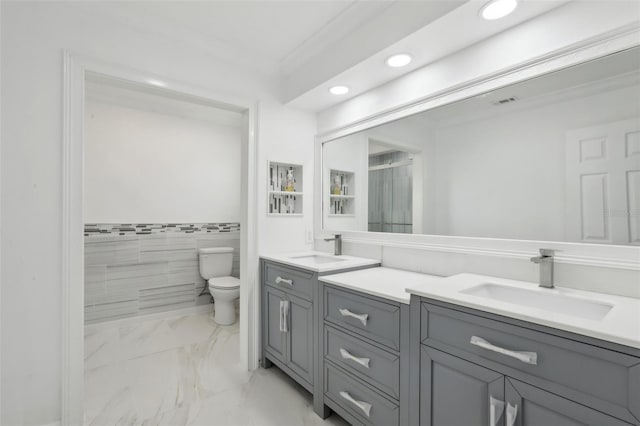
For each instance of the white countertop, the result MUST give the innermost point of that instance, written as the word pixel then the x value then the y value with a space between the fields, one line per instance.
pixel 345 262
pixel 620 325
pixel 383 282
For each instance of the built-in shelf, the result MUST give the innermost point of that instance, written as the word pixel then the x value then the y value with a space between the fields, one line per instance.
pixel 284 189
pixel 285 192
pixel 341 195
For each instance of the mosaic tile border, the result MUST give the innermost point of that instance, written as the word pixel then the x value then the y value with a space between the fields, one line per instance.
pixel 91 229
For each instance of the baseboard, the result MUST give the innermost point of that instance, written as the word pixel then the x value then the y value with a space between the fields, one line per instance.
pixel 155 316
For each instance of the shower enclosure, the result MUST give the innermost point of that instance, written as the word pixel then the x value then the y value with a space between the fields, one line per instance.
pixel 390 192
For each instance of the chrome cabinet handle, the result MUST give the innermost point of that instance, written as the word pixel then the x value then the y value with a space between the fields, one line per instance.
pixel 362 361
pixel 364 406
pixel 362 317
pixel 281 312
pixel 526 357
pixel 496 407
pixel 280 280
pixel 512 414
pixel 285 316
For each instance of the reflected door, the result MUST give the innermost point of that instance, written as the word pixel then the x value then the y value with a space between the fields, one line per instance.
pixel 603 183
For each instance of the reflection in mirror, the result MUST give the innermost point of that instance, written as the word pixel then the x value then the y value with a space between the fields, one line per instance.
pixel 555 158
pixel 390 199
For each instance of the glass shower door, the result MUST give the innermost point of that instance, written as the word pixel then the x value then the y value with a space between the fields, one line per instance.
pixel 390 193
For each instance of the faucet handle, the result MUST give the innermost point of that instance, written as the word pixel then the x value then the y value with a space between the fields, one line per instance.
pixel 547 252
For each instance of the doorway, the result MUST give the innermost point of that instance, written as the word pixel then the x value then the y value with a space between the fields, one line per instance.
pixel 76 71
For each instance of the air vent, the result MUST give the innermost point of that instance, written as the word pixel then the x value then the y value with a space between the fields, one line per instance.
pixel 505 101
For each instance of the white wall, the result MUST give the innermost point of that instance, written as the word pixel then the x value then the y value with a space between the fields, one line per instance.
pixel 33 38
pixel 148 167
pixel 504 177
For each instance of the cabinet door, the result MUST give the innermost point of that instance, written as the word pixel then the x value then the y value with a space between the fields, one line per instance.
pixel 275 339
pixel 455 392
pixel 300 337
pixel 536 407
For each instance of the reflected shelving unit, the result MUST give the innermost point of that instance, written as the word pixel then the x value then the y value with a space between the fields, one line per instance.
pixel 341 195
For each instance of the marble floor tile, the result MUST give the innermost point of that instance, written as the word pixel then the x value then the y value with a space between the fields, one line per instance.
pixel 185 370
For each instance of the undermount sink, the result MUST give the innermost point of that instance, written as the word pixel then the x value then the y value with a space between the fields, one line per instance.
pixel 317 259
pixel 551 301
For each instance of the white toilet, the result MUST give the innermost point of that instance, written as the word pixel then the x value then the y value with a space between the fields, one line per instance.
pixel 215 267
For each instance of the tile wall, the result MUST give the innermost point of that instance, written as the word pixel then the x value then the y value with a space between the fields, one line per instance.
pixel 138 269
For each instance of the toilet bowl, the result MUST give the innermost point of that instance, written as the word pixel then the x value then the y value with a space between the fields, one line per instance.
pixel 225 291
pixel 215 267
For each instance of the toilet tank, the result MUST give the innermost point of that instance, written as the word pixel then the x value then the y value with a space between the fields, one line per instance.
pixel 215 262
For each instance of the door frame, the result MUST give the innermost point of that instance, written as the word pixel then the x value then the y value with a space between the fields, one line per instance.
pixel 72 249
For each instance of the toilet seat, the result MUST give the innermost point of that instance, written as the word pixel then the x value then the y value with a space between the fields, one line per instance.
pixel 224 283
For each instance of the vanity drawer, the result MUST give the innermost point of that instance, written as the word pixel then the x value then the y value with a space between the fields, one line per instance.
pixel 370 318
pixel 594 376
pixel 355 397
pixel 377 366
pixel 290 280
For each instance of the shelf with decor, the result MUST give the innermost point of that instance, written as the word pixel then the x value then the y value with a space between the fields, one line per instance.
pixel 284 189
pixel 341 195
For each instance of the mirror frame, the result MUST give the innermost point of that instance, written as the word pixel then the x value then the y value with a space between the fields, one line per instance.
pixel 601 255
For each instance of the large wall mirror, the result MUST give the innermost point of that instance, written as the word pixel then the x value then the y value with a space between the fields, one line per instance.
pixel 553 158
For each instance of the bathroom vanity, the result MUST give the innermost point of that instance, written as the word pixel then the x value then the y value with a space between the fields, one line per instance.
pixel 364 352
pixel 290 312
pixel 478 368
pixel 382 346
pixel 473 366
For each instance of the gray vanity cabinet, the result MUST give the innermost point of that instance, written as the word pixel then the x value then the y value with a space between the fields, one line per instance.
pixel 456 392
pixel 541 408
pixel 291 324
pixel 364 357
pixel 468 360
pixel 274 339
pixel 299 337
pixel 288 335
pixel 288 321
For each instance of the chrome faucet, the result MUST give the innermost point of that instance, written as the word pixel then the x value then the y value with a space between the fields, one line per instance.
pixel 337 246
pixel 545 260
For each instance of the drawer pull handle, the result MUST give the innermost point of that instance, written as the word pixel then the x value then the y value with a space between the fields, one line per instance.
pixel 362 361
pixel 496 407
pixel 526 357
pixel 364 406
pixel 362 317
pixel 512 414
pixel 285 281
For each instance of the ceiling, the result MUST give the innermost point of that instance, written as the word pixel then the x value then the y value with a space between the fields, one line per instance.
pixel 311 44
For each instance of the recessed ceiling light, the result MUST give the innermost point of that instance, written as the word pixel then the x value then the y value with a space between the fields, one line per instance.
pixel 339 90
pixel 497 9
pixel 399 60
pixel 157 83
